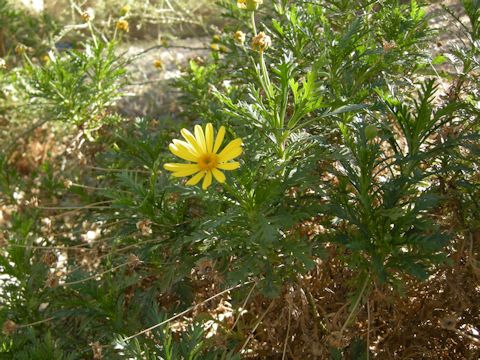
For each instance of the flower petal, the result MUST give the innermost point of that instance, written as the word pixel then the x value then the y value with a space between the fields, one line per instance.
pixel 191 140
pixel 182 151
pixel 209 137
pixel 219 139
pixel 232 150
pixel 229 166
pixel 219 176
pixel 200 136
pixel 207 181
pixel 186 172
pixel 196 179
pixel 180 167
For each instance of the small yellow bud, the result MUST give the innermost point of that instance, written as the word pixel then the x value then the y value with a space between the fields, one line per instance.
pixel 123 25
pixel 250 5
pixel 215 47
pixel 217 38
pixel 125 10
pixel 88 15
pixel 239 37
pixel 46 59
pixel 20 49
pixel 158 64
pixel 261 42
pixel 223 48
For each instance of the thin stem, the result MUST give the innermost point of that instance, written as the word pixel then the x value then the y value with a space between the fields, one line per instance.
pixel 183 312
pixel 288 329
pixel 355 306
pixel 254 26
pixel 255 328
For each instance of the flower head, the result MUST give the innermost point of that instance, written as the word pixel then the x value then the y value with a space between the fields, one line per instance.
pixel 88 14
pixel 202 150
pixel 123 25
pixel 3 63
pixel 20 49
pixel 250 5
pixel 239 37
pixel 158 64
pixel 261 42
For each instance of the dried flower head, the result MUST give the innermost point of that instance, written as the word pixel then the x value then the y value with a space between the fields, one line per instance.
pixel 123 25
pixel 250 5
pixel 145 227
pixel 449 322
pixel 202 150
pixel 52 280
pixel 3 240
pixel 88 14
pixel 239 37
pixel 133 261
pixel 9 327
pixel 261 42
pixel 49 258
pixel 97 351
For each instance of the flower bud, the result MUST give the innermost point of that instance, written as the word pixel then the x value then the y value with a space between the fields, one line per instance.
pixel 261 42
pixel 239 37
pixel 125 10
pixel 158 64
pixel 250 5
pixel 88 15
pixel 123 25
pixel 20 49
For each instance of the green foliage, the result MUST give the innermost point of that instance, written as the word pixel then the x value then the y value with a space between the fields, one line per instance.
pixel 344 129
pixel 77 86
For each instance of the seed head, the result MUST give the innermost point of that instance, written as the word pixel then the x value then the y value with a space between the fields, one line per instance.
pixel 261 42
pixel 9 327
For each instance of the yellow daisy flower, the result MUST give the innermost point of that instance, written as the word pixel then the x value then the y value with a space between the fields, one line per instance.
pixel 202 150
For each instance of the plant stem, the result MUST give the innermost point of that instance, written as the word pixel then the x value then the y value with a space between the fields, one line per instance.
pixel 355 306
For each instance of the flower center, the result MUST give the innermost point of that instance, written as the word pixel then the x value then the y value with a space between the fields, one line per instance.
pixel 207 161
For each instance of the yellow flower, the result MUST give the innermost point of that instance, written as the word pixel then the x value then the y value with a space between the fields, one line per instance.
pixel 123 25
pixel 239 37
pixel 251 5
pixel 202 151
pixel 261 42
pixel 215 47
pixel 158 64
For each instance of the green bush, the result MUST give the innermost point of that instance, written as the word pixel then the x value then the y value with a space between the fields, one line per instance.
pixel 351 151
